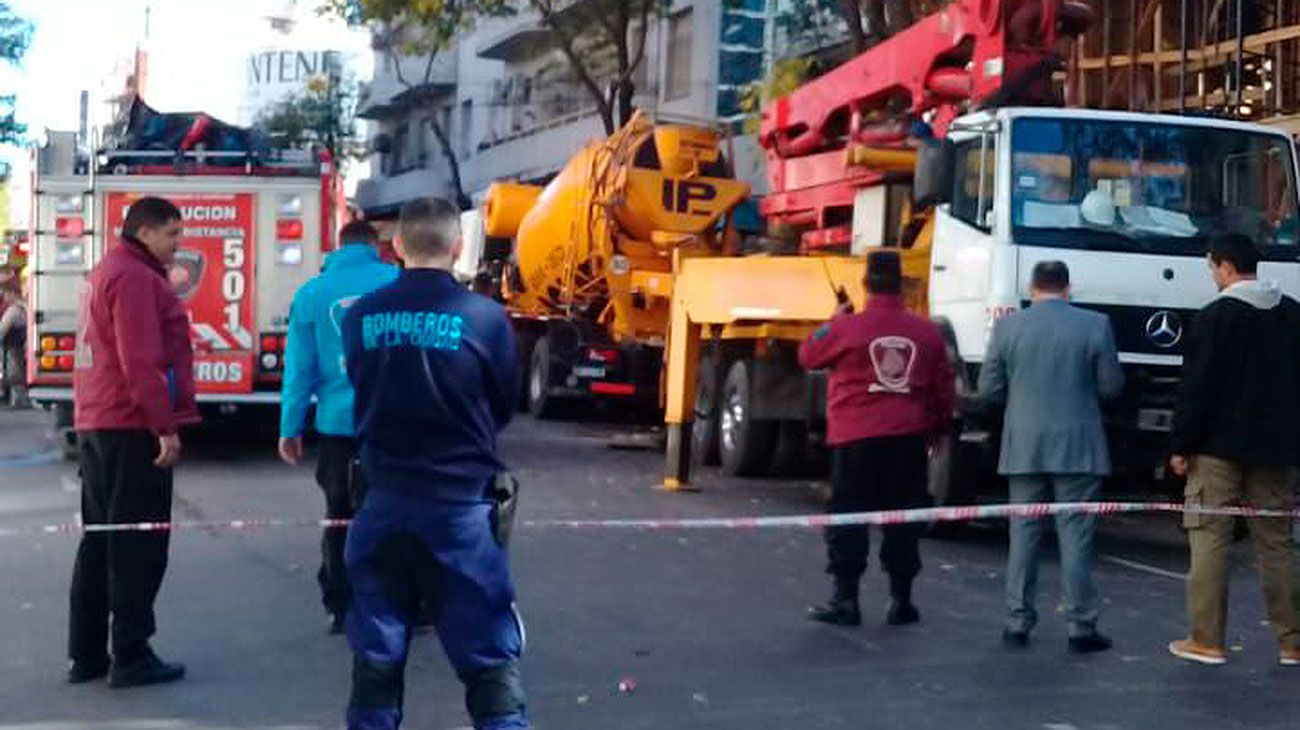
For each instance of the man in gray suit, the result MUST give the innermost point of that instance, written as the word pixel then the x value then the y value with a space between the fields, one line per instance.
pixel 1051 365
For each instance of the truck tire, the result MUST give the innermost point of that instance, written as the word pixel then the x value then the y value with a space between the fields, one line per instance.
pixel 954 473
pixel 541 403
pixel 791 453
pixel 705 437
pixel 65 432
pixel 747 443
pixel 526 345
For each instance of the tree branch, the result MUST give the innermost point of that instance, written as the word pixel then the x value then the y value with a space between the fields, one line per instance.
pixel 396 58
pixel 639 57
pixel 852 13
pixel 567 46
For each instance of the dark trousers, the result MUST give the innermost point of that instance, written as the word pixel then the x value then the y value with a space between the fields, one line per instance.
pixel 339 477
pixel 877 474
pixel 411 557
pixel 118 574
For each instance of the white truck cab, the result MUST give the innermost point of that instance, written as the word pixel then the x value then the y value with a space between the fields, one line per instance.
pixel 1128 201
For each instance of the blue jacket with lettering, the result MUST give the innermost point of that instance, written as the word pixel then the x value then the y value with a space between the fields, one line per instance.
pixel 435 371
pixel 313 356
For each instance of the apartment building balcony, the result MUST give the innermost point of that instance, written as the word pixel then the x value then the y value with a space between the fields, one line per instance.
pixel 526 34
pixel 406 82
pixel 381 197
pixel 534 153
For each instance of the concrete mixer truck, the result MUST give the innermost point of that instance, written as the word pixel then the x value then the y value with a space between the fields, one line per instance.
pixel 588 274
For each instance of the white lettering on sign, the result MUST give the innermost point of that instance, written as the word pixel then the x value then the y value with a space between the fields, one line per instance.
pixel 291 67
pixel 209 213
pixel 233 283
pixel 218 372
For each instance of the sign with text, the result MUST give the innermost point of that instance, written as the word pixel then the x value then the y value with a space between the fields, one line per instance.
pixel 212 275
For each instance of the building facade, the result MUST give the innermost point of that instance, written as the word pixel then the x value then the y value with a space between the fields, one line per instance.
pixel 510 108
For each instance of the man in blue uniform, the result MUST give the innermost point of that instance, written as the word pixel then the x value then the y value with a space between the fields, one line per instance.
pixel 313 366
pixel 435 370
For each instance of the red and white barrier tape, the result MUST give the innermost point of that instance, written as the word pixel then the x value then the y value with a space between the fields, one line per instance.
pixel 883 517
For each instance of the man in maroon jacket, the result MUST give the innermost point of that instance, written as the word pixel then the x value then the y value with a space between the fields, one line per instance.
pixel 133 389
pixel 890 397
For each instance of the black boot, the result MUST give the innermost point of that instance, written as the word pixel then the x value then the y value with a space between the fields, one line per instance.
pixel 842 609
pixel 142 670
pixel 901 610
pixel 80 672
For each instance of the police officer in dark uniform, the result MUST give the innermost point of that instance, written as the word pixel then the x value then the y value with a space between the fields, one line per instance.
pixel 435 371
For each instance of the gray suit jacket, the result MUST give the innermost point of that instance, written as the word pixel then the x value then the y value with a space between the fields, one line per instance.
pixel 1051 365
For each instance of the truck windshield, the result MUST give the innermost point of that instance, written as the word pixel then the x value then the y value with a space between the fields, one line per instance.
pixel 1149 187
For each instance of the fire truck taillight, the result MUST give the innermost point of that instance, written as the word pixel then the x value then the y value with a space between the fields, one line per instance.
pixel 56 353
pixel 290 206
pixel 69 227
pixel 289 229
pixel 272 359
pixel 289 254
pixel 69 204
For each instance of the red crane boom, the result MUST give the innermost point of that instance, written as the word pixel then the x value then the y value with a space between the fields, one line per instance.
pixel 972 54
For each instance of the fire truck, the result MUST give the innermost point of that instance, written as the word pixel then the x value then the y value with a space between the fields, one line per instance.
pixel 256 226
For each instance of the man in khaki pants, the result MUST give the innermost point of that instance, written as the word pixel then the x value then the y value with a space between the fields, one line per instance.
pixel 1235 437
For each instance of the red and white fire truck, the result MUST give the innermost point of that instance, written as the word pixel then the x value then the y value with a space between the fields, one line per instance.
pixel 256 227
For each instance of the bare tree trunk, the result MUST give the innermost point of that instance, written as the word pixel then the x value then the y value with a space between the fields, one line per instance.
pixel 463 201
pixel 439 134
pixel 899 15
pixel 873 12
pixel 568 46
pixel 853 16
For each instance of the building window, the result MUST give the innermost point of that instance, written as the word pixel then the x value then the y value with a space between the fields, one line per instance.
pixel 397 158
pixel 677 73
pixel 466 120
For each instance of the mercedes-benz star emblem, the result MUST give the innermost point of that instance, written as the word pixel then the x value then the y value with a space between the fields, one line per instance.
pixel 1164 329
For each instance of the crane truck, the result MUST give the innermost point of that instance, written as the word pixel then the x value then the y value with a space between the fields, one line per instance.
pixel 586 266
pixel 948 142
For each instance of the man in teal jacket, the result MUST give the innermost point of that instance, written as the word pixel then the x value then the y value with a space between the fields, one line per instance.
pixel 314 366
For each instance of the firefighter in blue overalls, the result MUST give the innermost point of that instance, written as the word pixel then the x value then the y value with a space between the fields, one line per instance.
pixel 435 371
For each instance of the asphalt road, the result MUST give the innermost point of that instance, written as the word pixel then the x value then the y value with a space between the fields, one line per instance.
pixel 707 625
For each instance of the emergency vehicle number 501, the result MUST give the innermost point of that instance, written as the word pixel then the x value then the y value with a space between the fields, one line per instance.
pixel 233 282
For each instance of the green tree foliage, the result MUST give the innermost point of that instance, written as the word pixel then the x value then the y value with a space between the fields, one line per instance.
pixel 404 28
pixel 15 36
pixel 419 27
pixel 786 75
pixel 323 113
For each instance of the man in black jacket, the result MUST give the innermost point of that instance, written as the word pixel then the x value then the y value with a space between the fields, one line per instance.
pixel 1235 437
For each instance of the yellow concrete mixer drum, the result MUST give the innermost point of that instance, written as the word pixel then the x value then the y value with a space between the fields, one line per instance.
pixel 598 241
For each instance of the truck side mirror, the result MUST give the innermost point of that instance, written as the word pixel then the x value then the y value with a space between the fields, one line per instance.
pixel 933 180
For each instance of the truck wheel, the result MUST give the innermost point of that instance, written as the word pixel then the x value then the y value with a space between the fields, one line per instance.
pixel 747 442
pixel 705 437
pixel 541 403
pixel 791 453
pixel 65 432
pixel 526 347
pixel 954 478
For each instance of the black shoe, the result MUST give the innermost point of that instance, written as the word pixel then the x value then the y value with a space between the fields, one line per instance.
pixel 839 612
pixel 1090 644
pixel 81 672
pixel 1015 639
pixel 337 625
pixel 901 613
pixel 144 671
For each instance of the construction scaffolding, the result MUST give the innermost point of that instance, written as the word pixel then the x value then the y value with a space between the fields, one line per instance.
pixel 1239 58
